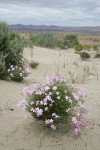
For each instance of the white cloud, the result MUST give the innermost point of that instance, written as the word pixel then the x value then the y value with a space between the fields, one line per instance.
pixel 56 12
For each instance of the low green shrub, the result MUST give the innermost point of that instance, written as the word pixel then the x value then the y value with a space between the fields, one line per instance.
pixel 95 48
pixel 44 40
pixel 81 47
pixel 70 40
pixel 34 64
pixel 56 103
pixel 85 54
pixel 11 50
pixel 78 48
pixel 48 40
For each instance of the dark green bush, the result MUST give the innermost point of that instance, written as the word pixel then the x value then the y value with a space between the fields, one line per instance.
pixel 95 48
pixel 34 64
pixel 47 40
pixel 85 54
pixel 44 40
pixel 11 49
pixel 78 48
pixel 81 47
pixel 70 40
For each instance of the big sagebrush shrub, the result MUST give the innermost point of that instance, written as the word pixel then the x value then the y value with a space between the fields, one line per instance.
pixel 78 48
pixel 70 40
pixel 44 40
pixel 11 50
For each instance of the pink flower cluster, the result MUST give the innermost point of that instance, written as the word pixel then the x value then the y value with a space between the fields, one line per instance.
pixel 37 111
pixel 27 91
pixel 22 70
pixel 45 99
pixel 77 121
pixel 50 79
pixel 22 103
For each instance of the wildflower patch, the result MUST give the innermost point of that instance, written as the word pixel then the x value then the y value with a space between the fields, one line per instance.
pixel 56 103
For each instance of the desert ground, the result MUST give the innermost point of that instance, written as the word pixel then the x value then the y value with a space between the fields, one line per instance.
pixel 20 133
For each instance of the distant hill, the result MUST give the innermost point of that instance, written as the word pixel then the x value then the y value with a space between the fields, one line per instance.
pixel 52 28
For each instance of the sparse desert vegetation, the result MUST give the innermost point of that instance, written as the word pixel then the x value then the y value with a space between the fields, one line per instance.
pixel 59 101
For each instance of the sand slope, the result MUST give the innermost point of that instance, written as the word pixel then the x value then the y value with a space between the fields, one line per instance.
pixel 17 133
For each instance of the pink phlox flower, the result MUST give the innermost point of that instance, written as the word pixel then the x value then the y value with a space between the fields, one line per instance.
pixel 13 69
pixel 36 85
pixel 78 124
pixel 16 67
pixel 84 122
pixel 54 88
pixel 70 101
pixel 46 88
pixel 32 109
pixel 41 102
pixel 27 91
pixel 22 103
pixel 27 69
pixel 57 93
pixel 57 78
pixel 46 108
pixel 77 130
pixel 58 97
pixel 49 80
pixel 21 74
pixel 45 101
pixel 68 110
pixel 37 102
pixel 65 91
pixel 55 115
pixel 52 126
pixel 25 78
pixel 11 75
pixel 8 70
pixel 48 121
pixel 81 93
pixel 66 97
pixel 62 79
pixel 48 97
pixel 50 93
pixel 11 66
pixel 32 103
pixel 81 105
pixel 38 112
pixel 74 120
pixel 38 92
pixel 75 96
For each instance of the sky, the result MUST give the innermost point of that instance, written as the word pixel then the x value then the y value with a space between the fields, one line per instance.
pixel 51 12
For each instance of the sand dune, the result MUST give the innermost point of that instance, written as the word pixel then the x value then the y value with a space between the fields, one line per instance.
pixel 18 133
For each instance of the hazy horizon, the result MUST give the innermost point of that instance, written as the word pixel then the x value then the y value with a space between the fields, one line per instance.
pixel 52 25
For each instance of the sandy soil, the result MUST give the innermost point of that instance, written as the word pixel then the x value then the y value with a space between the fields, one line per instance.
pixel 18 133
